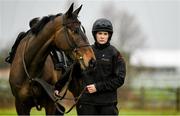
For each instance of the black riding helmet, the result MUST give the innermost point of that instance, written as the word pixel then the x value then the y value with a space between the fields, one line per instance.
pixel 102 24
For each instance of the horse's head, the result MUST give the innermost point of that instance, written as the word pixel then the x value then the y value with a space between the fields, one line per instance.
pixel 71 38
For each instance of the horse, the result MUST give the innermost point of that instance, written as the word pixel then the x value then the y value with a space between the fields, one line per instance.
pixel 32 59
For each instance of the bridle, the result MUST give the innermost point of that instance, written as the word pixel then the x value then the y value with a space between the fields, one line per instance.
pixel 70 43
pixel 73 47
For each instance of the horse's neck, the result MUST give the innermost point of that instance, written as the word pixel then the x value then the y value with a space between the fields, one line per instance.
pixel 39 42
pixel 37 48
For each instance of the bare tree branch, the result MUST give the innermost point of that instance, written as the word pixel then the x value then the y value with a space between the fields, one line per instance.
pixel 130 36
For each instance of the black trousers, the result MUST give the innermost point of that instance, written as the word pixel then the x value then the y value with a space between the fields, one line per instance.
pixel 87 109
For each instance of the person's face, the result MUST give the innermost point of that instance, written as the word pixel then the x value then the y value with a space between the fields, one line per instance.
pixel 102 37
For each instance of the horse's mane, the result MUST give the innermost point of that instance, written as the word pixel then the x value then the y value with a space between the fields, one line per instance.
pixel 40 25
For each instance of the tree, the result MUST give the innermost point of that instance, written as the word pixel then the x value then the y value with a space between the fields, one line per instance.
pixel 129 34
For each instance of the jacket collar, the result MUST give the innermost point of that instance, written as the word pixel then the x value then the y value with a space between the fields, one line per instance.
pixel 101 46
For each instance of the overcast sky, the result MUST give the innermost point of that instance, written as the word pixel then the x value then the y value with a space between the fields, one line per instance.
pixel 159 19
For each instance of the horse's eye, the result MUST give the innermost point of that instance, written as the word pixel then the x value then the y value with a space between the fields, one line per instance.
pixel 76 30
pixel 75 50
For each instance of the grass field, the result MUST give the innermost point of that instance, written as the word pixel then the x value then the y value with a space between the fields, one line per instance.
pixel 127 112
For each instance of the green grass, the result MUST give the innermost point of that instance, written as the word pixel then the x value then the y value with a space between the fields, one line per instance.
pixel 138 112
pixel 34 112
pixel 124 112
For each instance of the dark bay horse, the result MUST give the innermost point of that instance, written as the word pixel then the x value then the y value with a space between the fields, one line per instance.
pixel 32 59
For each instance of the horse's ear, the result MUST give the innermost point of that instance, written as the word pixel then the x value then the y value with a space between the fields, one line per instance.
pixel 70 10
pixel 76 12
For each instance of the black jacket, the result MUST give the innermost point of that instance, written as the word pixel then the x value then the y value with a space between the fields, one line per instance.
pixel 108 75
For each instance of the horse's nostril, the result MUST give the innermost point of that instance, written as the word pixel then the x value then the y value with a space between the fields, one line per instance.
pixel 92 63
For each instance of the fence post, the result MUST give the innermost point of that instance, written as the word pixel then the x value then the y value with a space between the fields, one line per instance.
pixel 177 99
pixel 142 97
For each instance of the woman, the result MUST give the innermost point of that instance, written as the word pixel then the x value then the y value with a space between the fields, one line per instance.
pixel 102 82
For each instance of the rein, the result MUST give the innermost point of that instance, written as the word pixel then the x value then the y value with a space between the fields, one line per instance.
pixel 38 107
pixel 76 99
pixel 24 64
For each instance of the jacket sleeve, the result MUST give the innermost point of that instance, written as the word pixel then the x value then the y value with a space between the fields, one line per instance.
pixel 119 73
